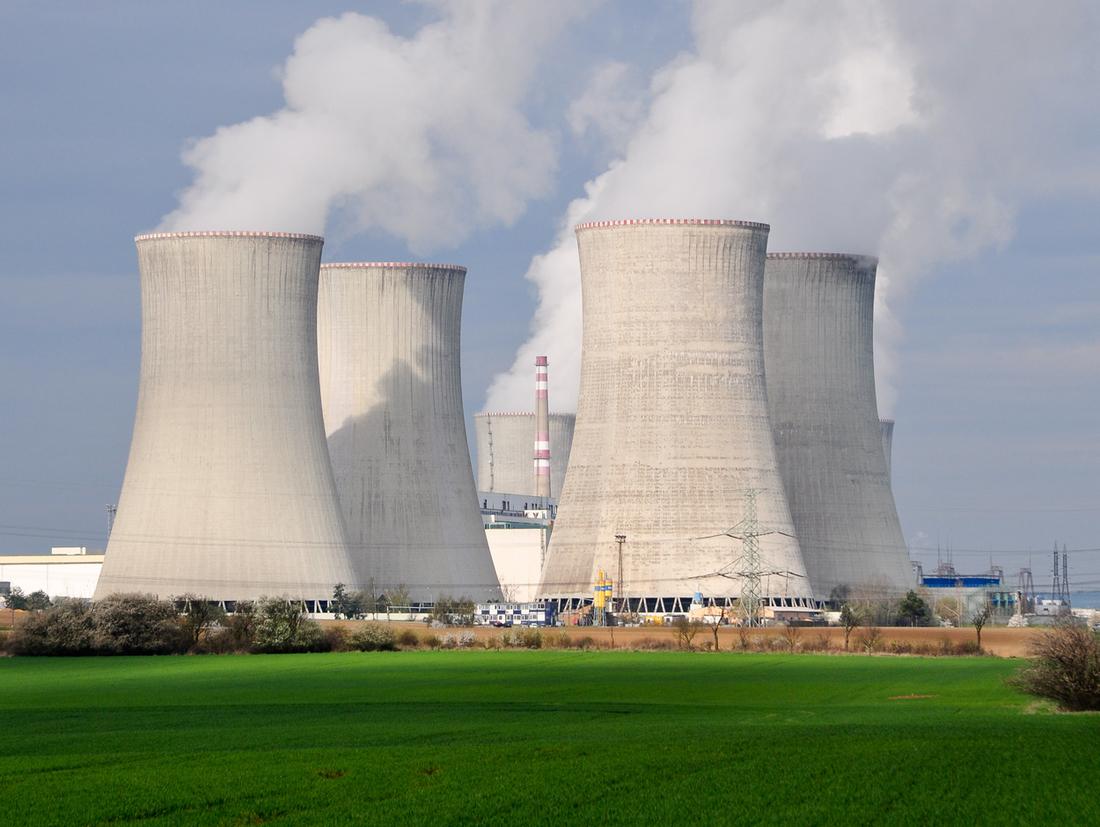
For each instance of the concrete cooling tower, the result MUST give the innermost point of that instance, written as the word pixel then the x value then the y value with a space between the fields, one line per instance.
pixel 504 452
pixel 388 342
pixel 228 491
pixel 887 426
pixel 818 320
pixel 672 424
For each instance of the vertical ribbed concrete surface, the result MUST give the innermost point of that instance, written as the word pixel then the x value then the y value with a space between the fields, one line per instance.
pixel 228 491
pixel 887 426
pixel 818 320
pixel 504 452
pixel 672 422
pixel 388 342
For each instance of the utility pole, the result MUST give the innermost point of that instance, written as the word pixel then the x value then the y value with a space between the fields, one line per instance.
pixel 111 511
pixel 750 584
pixel 748 568
pixel 621 539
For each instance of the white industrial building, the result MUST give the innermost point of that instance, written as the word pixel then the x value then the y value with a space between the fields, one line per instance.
pixel 66 572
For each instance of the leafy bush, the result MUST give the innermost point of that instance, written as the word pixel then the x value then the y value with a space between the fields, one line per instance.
pixel 1066 668
pixel 240 627
pixel 66 630
pixel 557 640
pixel 374 637
pixel 281 626
pixel 408 639
pixel 198 616
pixel 335 639
pixel 137 624
pixel 448 611
pixel 530 638
pixel 432 641
pixel 38 601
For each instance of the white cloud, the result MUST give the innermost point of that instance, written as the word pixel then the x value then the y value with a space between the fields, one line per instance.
pixel 913 131
pixel 424 137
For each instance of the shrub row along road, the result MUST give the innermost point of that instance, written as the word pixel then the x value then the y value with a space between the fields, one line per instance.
pixel 548 737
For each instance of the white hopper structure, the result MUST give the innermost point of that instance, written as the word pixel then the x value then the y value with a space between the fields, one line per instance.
pixel 818 323
pixel 389 344
pixel 672 425
pixel 228 491
pixel 504 451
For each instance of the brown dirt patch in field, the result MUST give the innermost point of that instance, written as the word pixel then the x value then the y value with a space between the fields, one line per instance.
pixel 1001 641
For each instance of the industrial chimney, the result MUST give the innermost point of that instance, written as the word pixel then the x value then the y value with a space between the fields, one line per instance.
pixel 542 429
pixel 228 491
pixel 672 436
pixel 389 344
pixel 818 320
pixel 504 451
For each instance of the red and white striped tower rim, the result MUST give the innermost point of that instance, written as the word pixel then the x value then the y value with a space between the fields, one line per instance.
pixel 690 222
pixel 226 234
pixel 542 428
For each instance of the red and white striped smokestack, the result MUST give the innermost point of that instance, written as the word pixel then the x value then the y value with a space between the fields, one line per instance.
pixel 542 429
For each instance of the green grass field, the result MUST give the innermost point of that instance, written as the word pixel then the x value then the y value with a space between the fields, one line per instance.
pixel 560 737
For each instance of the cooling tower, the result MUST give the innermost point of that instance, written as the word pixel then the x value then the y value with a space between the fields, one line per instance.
pixel 388 342
pixel 887 426
pixel 228 491
pixel 672 424
pixel 504 452
pixel 818 319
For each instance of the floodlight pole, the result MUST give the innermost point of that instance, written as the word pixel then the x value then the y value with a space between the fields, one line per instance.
pixel 620 539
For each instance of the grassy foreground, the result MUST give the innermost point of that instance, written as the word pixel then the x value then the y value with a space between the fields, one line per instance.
pixel 557 737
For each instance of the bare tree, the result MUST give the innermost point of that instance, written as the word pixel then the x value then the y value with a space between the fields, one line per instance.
pixel 980 619
pixel 199 614
pixel 849 618
pixel 686 630
pixel 718 624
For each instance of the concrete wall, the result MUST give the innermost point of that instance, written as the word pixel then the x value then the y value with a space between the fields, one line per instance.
pixel 58 576
pixel 389 348
pixel 228 491
pixel 517 556
pixel 818 319
pixel 505 443
pixel 672 423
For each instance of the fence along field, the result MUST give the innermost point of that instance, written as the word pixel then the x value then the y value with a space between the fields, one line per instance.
pixel 535 737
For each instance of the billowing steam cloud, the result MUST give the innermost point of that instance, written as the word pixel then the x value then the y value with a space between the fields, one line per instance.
pixel 908 130
pixel 422 137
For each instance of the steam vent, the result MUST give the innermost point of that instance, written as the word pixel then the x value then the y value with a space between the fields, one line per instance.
pixel 388 336
pixel 504 452
pixel 228 491
pixel 818 321
pixel 672 429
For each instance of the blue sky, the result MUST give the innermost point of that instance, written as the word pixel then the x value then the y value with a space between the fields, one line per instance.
pixel 995 355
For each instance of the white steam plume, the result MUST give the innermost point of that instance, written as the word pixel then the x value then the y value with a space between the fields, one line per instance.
pixel 422 137
pixel 908 130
